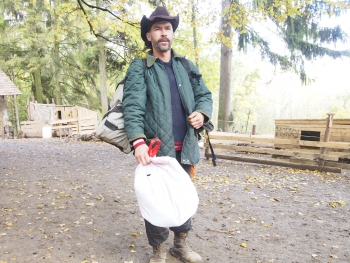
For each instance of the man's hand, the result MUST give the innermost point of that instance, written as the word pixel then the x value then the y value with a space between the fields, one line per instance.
pixel 196 119
pixel 141 154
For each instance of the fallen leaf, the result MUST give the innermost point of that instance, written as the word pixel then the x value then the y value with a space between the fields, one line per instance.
pixel 337 203
pixel 244 245
pixel 333 256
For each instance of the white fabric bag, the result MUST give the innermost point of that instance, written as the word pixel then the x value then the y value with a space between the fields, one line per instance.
pixel 165 193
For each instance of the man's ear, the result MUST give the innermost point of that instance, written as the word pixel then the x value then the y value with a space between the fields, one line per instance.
pixel 148 35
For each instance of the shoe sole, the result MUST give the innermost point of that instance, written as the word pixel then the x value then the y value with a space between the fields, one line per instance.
pixel 178 256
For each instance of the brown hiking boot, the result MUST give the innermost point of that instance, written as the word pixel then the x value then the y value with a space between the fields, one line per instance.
pixel 159 254
pixel 183 252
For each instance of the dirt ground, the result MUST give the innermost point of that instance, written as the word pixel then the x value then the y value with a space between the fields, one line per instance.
pixel 72 201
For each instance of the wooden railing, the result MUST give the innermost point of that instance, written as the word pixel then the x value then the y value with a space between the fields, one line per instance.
pixel 299 153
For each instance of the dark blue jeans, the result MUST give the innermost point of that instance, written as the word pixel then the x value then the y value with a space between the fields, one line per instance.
pixel 157 235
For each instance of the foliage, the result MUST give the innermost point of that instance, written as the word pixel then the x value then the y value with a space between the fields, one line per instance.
pixel 297 25
pixel 58 39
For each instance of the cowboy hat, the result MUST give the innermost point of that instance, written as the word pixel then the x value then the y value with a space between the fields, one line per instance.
pixel 159 14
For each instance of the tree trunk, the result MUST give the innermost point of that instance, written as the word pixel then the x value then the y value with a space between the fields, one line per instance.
pixel 38 86
pixel 102 69
pixel 225 72
pixel 194 26
pixel 57 62
pixel 103 74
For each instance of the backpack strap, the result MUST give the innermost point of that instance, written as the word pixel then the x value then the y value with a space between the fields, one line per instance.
pixel 213 156
pixel 144 61
pixel 191 74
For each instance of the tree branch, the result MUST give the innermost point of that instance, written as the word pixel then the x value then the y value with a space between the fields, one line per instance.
pixel 105 10
pixel 96 34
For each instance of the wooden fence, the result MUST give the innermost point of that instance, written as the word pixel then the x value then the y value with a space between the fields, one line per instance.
pixel 298 154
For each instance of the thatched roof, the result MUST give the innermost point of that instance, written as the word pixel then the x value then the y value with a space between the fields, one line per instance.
pixel 7 87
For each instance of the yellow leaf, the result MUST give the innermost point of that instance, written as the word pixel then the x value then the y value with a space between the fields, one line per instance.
pixel 8 223
pixel 337 203
pixel 244 245
pixel 50 248
pixel 134 234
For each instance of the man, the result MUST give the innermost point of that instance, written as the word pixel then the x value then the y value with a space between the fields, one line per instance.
pixel 160 102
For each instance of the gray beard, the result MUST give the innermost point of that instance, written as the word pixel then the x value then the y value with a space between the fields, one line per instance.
pixel 161 48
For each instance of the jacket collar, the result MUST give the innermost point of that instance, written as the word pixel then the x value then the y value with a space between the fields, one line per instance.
pixel 152 59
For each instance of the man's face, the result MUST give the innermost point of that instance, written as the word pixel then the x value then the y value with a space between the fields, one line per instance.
pixel 161 36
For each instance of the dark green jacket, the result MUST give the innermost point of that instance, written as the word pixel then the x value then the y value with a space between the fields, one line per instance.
pixel 147 105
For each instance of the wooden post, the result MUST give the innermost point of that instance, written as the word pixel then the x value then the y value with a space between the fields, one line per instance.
pixel 246 126
pixel 16 113
pixel 254 130
pixel 327 134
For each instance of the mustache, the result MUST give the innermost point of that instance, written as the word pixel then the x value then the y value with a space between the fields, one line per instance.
pixel 163 40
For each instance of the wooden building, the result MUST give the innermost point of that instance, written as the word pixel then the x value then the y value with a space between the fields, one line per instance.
pixel 63 119
pixel 7 88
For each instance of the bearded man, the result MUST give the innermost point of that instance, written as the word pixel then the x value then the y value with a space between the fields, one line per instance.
pixel 164 102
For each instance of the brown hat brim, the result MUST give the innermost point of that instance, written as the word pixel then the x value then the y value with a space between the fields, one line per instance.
pixel 146 23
